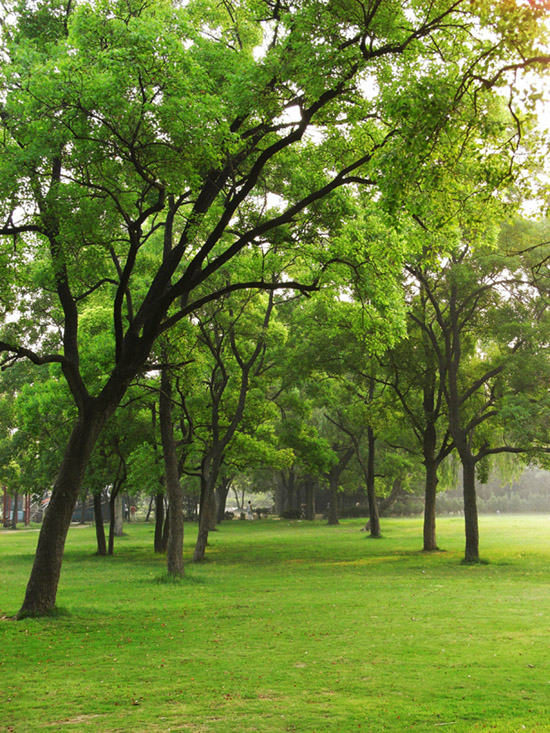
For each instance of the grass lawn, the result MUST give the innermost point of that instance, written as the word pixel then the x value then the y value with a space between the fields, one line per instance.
pixel 289 626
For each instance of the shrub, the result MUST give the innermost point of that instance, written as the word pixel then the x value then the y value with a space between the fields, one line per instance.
pixel 292 514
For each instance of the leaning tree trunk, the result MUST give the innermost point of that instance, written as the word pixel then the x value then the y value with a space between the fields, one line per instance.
pixel 42 586
pixel 174 549
pixel 99 528
pixel 471 553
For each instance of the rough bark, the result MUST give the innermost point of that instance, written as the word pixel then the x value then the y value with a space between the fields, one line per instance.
pixel 42 586
pixel 174 549
pixel 99 528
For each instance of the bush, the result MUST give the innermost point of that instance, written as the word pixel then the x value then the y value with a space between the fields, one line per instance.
pixel 292 514
pixel 228 515
pixel 262 512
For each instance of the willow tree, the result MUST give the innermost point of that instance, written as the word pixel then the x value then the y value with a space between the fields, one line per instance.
pixel 126 124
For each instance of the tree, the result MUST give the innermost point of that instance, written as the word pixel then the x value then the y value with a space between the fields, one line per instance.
pixel 483 319
pixel 133 134
pixel 417 378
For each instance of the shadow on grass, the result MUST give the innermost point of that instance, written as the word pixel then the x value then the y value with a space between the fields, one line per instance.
pixel 477 561
pixel 56 612
pixel 167 579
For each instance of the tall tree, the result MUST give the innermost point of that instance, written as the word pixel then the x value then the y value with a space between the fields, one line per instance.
pixel 483 320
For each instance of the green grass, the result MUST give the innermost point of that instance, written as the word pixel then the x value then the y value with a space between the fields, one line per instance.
pixel 286 627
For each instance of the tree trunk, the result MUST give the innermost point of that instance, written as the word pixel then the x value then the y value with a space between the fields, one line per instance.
pixel 430 543
pixel 83 509
pixel 290 501
pixel 99 528
pixel 310 498
pixel 149 509
pixel 112 511
pixel 333 502
pixel 210 471
pixel 166 530
pixel 213 512
pixel 42 586
pixel 222 492
pixel 333 478
pixel 119 531
pixel 374 515
pixel 15 510
pixel 159 522
pixel 174 550
pixel 204 525
pixel 471 553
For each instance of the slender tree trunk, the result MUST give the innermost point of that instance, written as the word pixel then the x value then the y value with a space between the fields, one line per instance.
pixel 83 509
pixel 204 526
pixel 430 543
pixel 333 478
pixel 333 501
pixel 210 471
pixel 222 492
pixel 149 509
pixel 15 510
pixel 42 586
pixel 174 550
pixel 471 553
pixel 112 520
pixel 159 522
pixel 212 517
pixel 374 515
pixel 119 531
pixel 310 498
pixel 99 528
pixel 166 530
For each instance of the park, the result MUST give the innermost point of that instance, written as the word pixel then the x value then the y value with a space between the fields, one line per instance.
pixel 274 364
